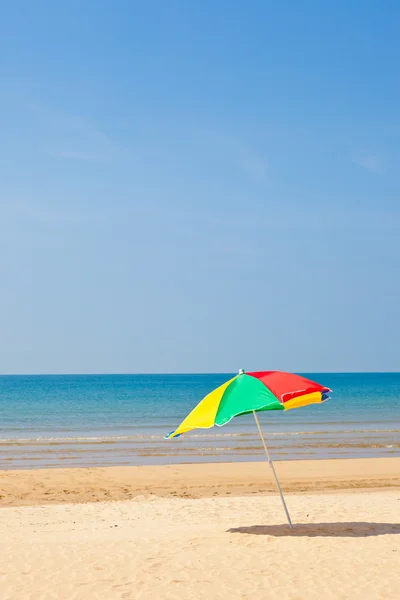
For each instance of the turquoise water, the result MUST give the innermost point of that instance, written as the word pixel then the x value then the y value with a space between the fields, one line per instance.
pixel 76 420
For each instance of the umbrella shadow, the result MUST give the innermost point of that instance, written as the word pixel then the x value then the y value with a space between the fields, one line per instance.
pixel 353 529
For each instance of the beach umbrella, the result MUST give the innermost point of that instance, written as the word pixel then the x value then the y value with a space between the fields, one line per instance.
pixel 248 393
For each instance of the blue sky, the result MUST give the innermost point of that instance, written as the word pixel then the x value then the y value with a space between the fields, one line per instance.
pixel 199 186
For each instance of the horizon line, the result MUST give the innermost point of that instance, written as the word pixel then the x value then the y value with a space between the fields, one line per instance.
pixel 140 374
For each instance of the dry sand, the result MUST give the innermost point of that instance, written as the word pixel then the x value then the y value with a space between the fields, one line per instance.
pixel 344 545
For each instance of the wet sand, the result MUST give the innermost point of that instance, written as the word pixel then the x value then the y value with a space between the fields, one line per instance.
pixel 82 485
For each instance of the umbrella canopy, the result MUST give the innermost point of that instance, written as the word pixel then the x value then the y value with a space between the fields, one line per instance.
pixel 252 392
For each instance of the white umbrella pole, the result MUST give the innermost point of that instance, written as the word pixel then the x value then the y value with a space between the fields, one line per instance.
pixel 271 464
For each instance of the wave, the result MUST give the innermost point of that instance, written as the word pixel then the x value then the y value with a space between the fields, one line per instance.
pixel 138 438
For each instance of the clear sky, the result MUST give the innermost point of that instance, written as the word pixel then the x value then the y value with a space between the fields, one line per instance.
pixel 199 186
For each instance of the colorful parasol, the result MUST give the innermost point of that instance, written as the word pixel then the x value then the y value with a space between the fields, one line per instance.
pixel 250 393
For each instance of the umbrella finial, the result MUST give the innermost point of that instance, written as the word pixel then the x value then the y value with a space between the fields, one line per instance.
pixel 241 371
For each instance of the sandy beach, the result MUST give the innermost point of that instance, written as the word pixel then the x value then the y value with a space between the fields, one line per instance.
pixel 79 485
pixel 223 535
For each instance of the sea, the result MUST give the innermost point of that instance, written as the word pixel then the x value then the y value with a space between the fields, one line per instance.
pixel 98 420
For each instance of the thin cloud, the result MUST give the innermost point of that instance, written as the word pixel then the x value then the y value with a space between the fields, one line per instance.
pixel 239 154
pixel 370 162
pixel 72 137
pixel 254 167
pixel 74 155
pixel 19 212
pixel 291 218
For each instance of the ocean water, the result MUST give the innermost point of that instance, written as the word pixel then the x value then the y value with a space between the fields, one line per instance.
pixel 85 420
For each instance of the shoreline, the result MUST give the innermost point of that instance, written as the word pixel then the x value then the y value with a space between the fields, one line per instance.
pixel 83 485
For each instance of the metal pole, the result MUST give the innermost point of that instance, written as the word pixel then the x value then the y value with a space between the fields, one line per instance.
pixel 271 464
